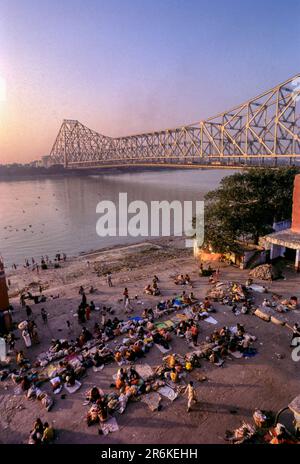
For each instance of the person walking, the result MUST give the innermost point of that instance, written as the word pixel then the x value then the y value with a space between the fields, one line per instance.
pixel 44 316
pixel 194 333
pixel 109 281
pixel 191 394
pixel 69 327
pixel 28 311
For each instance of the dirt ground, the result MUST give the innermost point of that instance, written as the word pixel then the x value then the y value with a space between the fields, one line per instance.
pixel 229 396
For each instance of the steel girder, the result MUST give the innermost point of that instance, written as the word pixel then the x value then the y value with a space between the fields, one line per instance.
pixel 267 126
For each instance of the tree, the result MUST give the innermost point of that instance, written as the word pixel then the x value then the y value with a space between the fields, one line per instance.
pixel 246 205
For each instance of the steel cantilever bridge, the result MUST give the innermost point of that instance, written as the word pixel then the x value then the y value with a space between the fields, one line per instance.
pixel 262 130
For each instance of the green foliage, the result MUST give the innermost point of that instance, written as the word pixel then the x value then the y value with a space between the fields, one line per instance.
pixel 245 206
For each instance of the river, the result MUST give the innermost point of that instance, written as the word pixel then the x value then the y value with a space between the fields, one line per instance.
pixel 45 216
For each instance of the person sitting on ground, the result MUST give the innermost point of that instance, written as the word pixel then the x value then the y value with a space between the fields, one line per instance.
pixel 181 329
pixel 103 413
pixel 93 395
pixel 92 306
pixel 71 378
pixel 132 375
pixel 185 299
pixel 148 290
pixel 188 335
pixel 192 297
pixel 179 280
pixel 86 334
pixel 187 279
pixel 170 360
pixel 137 348
pixel 36 434
pixel 160 340
pixel 21 360
pixel 155 289
pixel 48 434
pixel 97 330
pixel 213 358
pixel 118 357
pixel 266 303
pixel 207 305
pixel 121 378
pixel 174 375
pixel 97 359
pixel 240 330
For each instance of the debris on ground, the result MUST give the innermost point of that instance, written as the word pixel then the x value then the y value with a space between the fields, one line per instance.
pixel 265 272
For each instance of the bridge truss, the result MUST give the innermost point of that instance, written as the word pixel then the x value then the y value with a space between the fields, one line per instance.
pixel 265 127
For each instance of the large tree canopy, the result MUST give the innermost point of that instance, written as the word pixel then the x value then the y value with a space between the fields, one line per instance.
pixel 246 205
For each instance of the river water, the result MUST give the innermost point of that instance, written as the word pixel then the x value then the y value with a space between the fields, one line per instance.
pixel 46 216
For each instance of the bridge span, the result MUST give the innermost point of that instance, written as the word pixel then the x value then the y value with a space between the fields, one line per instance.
pixel 264 130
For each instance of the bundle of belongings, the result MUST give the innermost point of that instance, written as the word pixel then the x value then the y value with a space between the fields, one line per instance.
pixel 263 431
pixel 270 307
pixel 228 293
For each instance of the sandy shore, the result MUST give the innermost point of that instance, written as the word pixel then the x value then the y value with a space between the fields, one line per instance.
pixel 240 386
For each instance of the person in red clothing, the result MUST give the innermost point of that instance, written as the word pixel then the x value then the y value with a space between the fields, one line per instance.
pixel 195 333
pixel 87 313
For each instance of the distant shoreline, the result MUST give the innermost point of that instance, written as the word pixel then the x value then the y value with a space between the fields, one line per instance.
pixel 6 177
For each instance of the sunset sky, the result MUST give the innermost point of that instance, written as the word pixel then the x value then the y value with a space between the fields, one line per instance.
pixel 126 66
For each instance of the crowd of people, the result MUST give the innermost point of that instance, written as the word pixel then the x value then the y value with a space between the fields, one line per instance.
pixel 133 338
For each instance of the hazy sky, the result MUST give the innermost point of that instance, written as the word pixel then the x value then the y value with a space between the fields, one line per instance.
pixel 125 66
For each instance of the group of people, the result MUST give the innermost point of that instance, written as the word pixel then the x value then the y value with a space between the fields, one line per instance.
pixel 42 433
pixel 92 350
pixel 44 263
pixel 182 280
pixel 29 333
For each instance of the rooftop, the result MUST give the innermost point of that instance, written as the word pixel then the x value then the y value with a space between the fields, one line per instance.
pixel 287 238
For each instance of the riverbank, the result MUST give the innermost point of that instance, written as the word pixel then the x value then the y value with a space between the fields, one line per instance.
pixel 61 172
pixel 228 396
